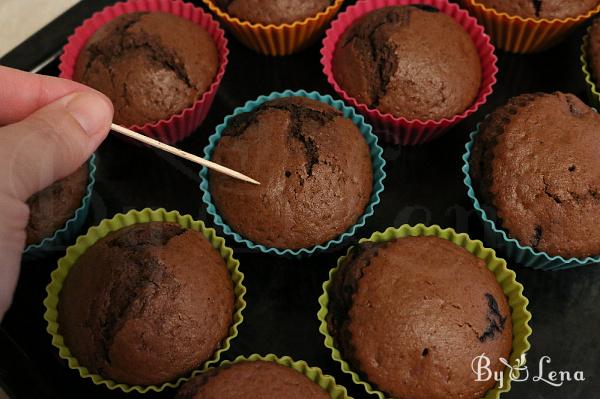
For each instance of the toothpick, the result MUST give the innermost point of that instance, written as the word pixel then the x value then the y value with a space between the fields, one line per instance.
pixel 180 153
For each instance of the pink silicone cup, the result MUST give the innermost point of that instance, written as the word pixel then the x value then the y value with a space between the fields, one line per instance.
pixel 399 130
pixel 182 124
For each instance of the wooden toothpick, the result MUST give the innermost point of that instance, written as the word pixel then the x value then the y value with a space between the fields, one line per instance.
pixel 180 153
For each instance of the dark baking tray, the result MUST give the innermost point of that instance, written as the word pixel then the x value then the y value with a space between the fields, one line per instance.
pixel 424 184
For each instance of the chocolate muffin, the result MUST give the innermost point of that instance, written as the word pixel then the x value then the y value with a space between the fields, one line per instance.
pixel 151 65
pixel 313 165
pixel 535 162
pixel 593 51
pixel 548 9
pixel 411 314
pixel 273 11
pixel 51 208
pixel 146 304
pixel 252 379
pixel 409 61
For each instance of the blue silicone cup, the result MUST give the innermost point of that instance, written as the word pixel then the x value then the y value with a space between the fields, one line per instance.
pixel 66 235
pixel 507 246
pixel 348 112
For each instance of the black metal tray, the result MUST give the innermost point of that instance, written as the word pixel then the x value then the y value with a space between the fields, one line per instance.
pixel 423 184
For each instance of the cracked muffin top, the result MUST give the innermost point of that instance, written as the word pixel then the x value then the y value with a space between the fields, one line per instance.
pixel 151 65
pixel 252 379
pixel 146 304
pixel 50 208
pixel 313 165
pixel 411 314
pixel 535 161
pixel 412 62
pixel 548 9
pixel 273 11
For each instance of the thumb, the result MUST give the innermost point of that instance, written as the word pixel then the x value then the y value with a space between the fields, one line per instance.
pixel 52 142
pixel 48 145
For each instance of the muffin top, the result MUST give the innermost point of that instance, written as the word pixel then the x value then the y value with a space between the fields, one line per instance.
pixel 409 61
pixel 273 11
pixel 146 304
pixel 313 165
pixel 593 51
pixel 411 314
pixel 548 9
pixel 151 65
pixel 535 161
pixel 252 379
pixel 50 208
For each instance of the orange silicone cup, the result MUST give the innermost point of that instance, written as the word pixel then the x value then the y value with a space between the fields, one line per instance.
pixel 282 39
pixel 524 35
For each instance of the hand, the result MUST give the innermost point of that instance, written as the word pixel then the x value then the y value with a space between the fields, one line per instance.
pixel 50 127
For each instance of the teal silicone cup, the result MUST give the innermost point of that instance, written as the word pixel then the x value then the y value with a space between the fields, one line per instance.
pixel 348 112
pixel 507 246
pixel 66 235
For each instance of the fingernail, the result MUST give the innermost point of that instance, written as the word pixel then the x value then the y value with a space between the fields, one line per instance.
pixel 91 110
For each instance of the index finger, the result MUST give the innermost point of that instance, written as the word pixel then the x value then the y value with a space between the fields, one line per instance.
pixel 22 93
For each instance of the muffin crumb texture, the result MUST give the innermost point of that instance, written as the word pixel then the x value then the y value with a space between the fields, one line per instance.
pixel 151 65
pixel 252 379
pixel 314 167
pixel 548 9
pixel 146 304
pixel 411 314
pixel 412 62
pixel 535 162
pixel 273 11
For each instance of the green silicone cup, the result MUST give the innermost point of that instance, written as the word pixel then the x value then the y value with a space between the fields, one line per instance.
pixel 314 374
pixel 591 88
pixel 118 222
pixel 505 277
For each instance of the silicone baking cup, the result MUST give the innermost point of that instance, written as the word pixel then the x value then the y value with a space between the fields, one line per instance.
pixel 118 222
pixel 314 374
pixel 505 277
pixel 280 39
pixel 591 88
pixel 66 234
pixel 525 35
pixel 510 247
pixel 182 124
pixel 348 112
pixel 399 130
